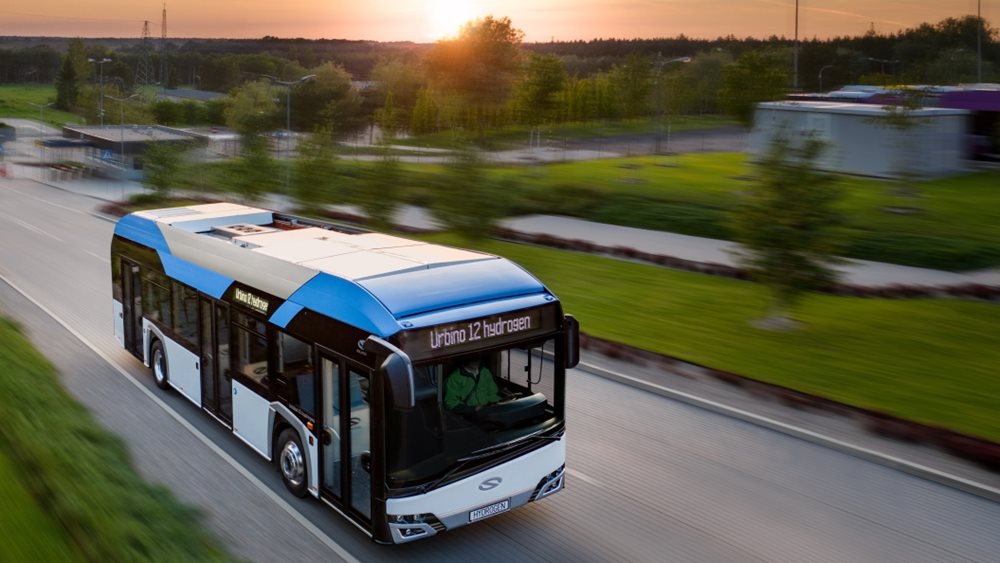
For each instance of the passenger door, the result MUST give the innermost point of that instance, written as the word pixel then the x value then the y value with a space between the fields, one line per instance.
pixel 345 406
pixel 216 380
pixel 132 307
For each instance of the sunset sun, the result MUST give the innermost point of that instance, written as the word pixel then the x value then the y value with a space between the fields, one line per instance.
pixel 445 17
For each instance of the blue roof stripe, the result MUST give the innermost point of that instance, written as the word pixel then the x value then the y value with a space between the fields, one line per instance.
pixel 143 231
pixel 346 301
pixel 202 279
pixel 452 285
pixel 285 313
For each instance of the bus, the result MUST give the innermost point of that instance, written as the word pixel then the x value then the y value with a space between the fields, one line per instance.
pixel 343 356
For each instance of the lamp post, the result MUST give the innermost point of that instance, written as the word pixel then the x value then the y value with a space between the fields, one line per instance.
pixel 100 100
pixel 795 79
pixel 121 122
pixel 660 97
pixel 288 84
pixel 821 76
pixel 979 42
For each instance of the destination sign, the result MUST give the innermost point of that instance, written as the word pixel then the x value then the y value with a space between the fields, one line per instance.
pixel 474 331
pixel 477 333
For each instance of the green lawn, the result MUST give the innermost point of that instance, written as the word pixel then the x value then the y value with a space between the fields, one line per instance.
pixel 694 193
pixel 29 534
pixel 932 361
pixel 519 136
pixel 16 100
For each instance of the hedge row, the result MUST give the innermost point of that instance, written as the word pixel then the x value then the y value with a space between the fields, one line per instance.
pixel 81 474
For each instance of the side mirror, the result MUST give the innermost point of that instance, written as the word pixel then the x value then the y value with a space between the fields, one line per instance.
pixel 396 369
pixel 572 341
pixel 399 376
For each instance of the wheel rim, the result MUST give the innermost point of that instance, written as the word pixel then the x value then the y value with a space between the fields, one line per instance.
pixel 159 369
pixel 292 467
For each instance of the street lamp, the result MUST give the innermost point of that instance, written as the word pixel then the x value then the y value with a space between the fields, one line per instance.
pixel 41 115
pixel 659 95
pixel 821 76
pixel 121 122
pixel 288 84
pixel 100 102
pixel 979 42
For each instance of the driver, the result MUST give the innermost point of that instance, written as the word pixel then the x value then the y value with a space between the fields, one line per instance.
pixel 470 385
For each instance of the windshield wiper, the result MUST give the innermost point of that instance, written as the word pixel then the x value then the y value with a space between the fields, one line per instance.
pixel 461 462
pixel 507 445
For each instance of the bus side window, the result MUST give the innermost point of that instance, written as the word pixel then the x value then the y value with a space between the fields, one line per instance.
pixel 296 369
pixel 186 313
pixel 156 301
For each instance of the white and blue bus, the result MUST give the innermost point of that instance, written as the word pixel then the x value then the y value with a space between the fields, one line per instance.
pixel 332 352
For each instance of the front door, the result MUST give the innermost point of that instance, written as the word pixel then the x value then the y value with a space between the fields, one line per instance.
pixel 345 406
pixel 216 379
pixel 132 307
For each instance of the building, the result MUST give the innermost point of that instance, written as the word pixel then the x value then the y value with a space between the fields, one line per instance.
pixel 859 141
pixel 116 150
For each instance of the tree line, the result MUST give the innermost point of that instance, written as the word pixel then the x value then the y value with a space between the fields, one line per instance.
pixel 487 77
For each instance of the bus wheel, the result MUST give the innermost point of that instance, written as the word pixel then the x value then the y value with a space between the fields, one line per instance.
pixel 159 365
pixel 292 462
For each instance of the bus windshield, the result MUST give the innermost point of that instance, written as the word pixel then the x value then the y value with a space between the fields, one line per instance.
pixel 472 406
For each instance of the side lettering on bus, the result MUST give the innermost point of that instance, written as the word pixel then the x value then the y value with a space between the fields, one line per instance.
pixel 256 303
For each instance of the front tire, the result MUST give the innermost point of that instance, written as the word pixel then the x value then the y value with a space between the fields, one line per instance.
pixel 292 462
pixel 158 363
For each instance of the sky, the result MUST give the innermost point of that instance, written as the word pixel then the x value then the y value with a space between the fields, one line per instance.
pixel 430 20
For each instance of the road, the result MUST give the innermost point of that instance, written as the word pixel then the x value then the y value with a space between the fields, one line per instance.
pixel 650 479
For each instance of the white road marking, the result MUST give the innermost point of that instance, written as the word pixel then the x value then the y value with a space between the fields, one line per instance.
pixel 46 202
pixel 99 257
pixel 576 474
pixel 884 459
pixel 295 514
pixel 31 227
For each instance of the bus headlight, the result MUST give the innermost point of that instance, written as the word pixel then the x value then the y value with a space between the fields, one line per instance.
pixel 551 483
pixel 409 527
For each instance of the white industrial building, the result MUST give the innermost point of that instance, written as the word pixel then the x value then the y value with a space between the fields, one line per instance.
pixel 858 141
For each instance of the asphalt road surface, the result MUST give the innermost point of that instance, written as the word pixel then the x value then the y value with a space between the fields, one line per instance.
pixel 649 479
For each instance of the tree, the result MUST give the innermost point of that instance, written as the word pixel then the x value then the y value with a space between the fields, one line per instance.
pixel 702 82
pixel 255 172
pixel 788 226
pixel 756 76
pixel 250 109
pixel 381 186
pixel 898 115
pixel 633 84
pixel 479 66
pixel 466 201
pixel 327 102
pixel 425 116
pixel 315 170
pixel 67 87
pixel 538 92
pixel 402 81
pixel 161 167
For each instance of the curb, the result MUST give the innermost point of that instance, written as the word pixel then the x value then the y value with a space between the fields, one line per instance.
pixel 965 485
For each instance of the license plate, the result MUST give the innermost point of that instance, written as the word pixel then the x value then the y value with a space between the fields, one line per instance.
pixel 491 510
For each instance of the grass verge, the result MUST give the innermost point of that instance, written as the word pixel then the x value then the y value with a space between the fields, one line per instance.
pixel 80 475
pixel 16 100
pixel 29 533
pixel 929 361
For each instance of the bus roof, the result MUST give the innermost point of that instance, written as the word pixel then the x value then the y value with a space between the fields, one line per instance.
pixel 377 282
